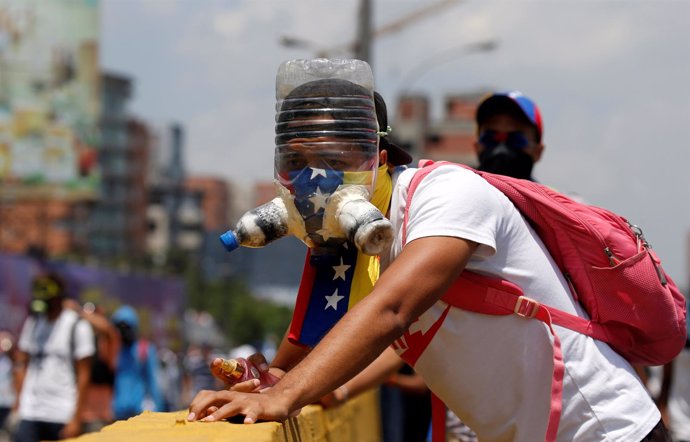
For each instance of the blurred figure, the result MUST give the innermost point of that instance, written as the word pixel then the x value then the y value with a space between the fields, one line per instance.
pixel 509 135
pixel 136 372
pixel 170 380
pixel 7 396
pixel 53 365
pixel 197 372
pixel 97 411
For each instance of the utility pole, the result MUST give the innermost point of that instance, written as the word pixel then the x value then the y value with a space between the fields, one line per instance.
pixel 363 42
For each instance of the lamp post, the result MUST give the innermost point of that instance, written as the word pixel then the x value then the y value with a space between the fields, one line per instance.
pixel 444 57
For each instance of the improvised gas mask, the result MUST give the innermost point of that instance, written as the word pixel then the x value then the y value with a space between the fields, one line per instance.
pixel 505 153
pixel 325 164
pixel 46 295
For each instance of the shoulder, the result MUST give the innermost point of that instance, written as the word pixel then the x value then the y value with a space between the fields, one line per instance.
pixel 449 184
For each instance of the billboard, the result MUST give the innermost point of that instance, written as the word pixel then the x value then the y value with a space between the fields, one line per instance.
pixel 49 97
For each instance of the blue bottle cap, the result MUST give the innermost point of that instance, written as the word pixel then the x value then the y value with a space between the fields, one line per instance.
pixel 229 240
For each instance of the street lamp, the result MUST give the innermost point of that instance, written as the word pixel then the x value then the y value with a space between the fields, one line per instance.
pixel 444 57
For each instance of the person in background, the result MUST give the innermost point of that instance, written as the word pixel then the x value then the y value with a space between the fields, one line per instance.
pixel 7 388
pixel 197 375
pixel 509 135
pixel 53 365
pixel 136 370
pixel 97 411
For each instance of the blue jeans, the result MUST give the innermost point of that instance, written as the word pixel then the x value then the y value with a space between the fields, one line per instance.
pixel 36 431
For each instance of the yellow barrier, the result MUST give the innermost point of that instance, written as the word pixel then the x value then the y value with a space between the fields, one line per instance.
pixel 355 421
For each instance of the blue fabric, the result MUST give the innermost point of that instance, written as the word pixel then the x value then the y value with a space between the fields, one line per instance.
pixel 127 315
pixel 135 379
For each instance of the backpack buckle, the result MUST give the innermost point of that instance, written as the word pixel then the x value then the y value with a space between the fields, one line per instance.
pixel 526 307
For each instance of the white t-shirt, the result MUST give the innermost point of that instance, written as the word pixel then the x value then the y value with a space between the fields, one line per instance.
pixel 49 392
pixel 495 372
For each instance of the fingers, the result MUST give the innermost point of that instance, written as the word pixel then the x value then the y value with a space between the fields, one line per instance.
pixel 246 386
pixel 204 400
pixel 211 406
pixel 219 374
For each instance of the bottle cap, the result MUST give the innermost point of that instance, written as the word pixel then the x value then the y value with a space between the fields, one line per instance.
pixel 232 368
pixel 229 240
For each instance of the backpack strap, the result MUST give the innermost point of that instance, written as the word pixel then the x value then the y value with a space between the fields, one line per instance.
pixel 482 294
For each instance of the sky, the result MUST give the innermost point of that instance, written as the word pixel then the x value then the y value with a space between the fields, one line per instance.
pixel 612 80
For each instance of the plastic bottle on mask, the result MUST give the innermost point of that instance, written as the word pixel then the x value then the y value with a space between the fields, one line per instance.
pixel 241 370
pixel 258 227
pixel 360 221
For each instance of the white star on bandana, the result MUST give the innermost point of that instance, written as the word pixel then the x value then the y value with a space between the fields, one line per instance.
pixel 340 270
pixel 316 172
pixel 332 301
pixel 318 200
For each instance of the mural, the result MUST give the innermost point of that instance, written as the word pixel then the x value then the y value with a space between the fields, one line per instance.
pixel 49 97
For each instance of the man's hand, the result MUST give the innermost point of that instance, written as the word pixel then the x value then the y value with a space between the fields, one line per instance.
pixel 251 385
pixel 210 406
pixel 71 429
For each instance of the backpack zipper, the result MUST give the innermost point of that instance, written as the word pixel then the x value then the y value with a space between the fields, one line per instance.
pixel 648 247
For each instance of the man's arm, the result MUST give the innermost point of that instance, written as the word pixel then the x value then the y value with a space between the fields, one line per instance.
pixel 20 367
pixel 83 373
pixel 413 283
pixel 376 373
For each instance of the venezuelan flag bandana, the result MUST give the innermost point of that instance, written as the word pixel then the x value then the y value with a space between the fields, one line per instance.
pixel 330 287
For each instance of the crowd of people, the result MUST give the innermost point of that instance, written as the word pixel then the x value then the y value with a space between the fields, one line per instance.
pixel 73 368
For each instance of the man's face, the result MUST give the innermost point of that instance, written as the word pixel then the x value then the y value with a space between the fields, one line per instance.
pixel 508 127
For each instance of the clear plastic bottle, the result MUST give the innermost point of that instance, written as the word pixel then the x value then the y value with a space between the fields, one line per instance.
pixel 241 370
pixel 258 227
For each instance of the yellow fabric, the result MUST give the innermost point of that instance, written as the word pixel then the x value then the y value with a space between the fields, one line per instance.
pixel 368 267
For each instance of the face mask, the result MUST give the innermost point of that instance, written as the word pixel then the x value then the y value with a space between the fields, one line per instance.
pixel 504 161
pixel 346 210
pixel 127 333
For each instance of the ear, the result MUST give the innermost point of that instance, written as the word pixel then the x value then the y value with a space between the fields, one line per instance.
pixel 537 152
pixel 383 157
pixel 477 148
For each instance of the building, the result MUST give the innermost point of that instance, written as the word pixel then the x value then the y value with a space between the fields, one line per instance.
pixel 450 138
pixel 118 225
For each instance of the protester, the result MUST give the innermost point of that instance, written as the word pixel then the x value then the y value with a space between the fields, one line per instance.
pixel 197 375
pixel 509 134
pixel 7 394
pixel 672 392
pixel 136 373
pixel 53 364
pixel 497 377
pixel 97 411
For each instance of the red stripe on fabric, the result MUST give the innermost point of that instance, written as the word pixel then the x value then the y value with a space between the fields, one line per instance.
pixel 438 419
pixel 302 302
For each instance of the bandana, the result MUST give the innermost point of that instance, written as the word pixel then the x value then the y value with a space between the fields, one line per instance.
pixel 330 287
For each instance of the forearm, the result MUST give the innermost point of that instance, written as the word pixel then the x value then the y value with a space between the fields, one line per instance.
pixel 375 374
pixel 20 367
pixel 83 368
pixel 342 354
pixel 288 355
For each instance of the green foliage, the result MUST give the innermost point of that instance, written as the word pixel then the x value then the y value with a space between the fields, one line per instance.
pixel 242 317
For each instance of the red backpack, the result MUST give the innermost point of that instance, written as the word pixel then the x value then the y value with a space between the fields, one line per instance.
pixel 611 269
